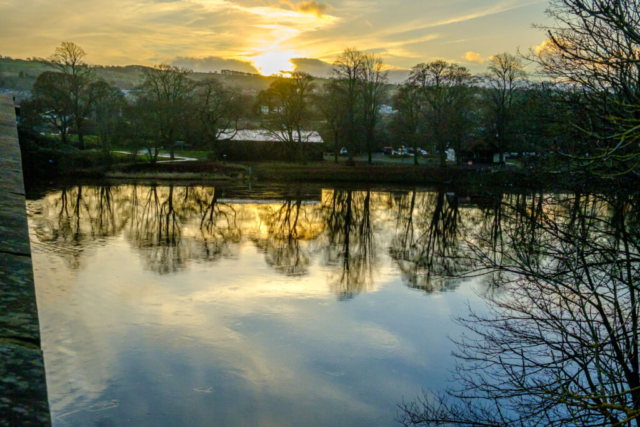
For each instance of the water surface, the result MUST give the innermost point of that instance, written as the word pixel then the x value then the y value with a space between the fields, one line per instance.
pixel 191 305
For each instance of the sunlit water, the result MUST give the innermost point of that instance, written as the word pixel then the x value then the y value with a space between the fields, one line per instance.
pixel 199 306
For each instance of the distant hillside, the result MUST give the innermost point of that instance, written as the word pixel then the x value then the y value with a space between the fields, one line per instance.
pixel 18 75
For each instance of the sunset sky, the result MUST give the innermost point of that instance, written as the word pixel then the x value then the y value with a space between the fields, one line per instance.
pixel 266 35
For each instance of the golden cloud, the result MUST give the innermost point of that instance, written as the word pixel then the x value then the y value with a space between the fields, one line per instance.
pixel 308 6
pixel 544 47
pixel 474 57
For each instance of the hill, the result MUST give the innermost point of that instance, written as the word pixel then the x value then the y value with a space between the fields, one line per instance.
pixel 19 75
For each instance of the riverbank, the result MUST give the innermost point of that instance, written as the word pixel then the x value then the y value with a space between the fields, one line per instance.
pixel 362 174
pixel 318 172
pixel 44 161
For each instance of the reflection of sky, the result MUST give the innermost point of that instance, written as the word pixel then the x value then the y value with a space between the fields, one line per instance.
pixel 234 342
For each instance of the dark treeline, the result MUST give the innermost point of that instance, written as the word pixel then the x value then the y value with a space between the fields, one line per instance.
pixel 441 106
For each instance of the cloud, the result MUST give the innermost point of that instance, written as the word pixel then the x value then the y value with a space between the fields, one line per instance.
pixel 545 46
pixel 398 76
pixel 214 63
pixel 122 32
pixel 313 66
pixel 309 6
pixel 474 57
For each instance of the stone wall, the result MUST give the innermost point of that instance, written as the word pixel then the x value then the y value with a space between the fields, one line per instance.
pixel 23 388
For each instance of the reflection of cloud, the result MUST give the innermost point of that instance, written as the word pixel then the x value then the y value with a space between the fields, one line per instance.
pixel 474 57
pixel 266 348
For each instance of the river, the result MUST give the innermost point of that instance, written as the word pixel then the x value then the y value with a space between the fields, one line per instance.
pixel 273 306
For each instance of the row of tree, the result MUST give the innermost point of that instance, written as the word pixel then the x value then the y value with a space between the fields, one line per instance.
pixel 168 107
pixel 441 106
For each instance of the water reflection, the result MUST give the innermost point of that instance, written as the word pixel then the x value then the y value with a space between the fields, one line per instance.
pixel 287 227
pixel 349 247
pixel 172 225
pixel 427 246
pixel 559 343
pixel 201 305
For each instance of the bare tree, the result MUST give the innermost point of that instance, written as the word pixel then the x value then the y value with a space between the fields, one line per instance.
pixel 594 48
pixel 559 345
pixel 374 91
pixel 290 114
pixel 409 121
pixel 505 76
pixel 68 59
pixel 445 90
pixel 52 101
pixel 218 110
pixel 108 105
pixel 331 106
pixel 167 91
pixel 348 71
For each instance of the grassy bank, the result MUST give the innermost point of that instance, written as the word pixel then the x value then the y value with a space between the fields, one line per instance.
pixel 45 158
pixel 379 174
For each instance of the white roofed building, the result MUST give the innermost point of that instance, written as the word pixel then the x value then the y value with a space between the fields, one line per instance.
pixel 311 137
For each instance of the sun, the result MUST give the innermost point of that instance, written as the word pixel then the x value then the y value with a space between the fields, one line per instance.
pixel 274 62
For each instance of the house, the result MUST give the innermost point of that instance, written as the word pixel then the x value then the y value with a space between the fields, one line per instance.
pixel 261 145
pixel 311 137
pixel 481 152
pixel 386 110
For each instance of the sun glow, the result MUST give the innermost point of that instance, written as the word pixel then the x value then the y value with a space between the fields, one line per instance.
pixel 274 62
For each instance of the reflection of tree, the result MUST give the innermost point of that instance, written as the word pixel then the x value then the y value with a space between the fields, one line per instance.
pixel 68 222
pixel 427 247
pixel 560 344
pixel 160 221
pixel 218 229
pixel 288 226
pixel 350 241
pixel 156 230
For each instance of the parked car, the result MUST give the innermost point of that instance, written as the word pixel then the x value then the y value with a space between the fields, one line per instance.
pixel 343 151
pixel 388 151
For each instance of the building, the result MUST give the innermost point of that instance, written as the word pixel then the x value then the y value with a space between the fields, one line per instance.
pixel 260 145
pixel 311 137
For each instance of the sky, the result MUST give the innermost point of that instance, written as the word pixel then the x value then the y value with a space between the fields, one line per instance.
pixel 269 36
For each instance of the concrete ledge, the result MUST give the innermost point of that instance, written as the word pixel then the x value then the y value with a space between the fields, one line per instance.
pixel 23 386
